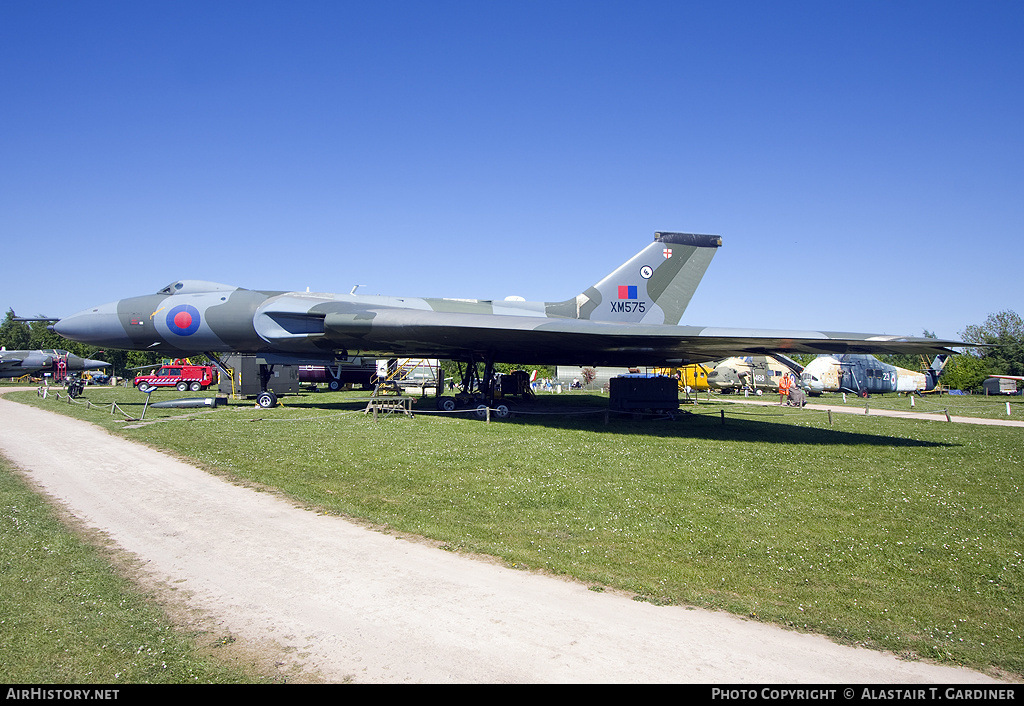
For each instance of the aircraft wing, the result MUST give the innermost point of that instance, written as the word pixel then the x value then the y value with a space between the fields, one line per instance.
pixel 629 317
pixel 585 342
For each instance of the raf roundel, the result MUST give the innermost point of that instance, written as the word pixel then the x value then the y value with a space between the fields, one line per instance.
pixel 183 320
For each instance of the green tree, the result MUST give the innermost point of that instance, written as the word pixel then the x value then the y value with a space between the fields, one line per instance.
pixel 965 372
pixel 14 335
pixel 803 358
pixel 43 337
pixel 1003 335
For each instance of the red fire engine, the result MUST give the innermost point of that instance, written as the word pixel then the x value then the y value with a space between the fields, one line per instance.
pixel 180 374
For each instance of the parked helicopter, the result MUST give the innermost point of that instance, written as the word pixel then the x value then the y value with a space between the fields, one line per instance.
pixel 864 374
pixel 757 373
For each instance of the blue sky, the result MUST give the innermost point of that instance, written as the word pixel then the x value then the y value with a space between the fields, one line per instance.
pixel 862 161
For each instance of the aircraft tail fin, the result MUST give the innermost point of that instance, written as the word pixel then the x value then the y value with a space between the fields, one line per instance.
pixel 789 363
pixel 932 374
pixel 654 286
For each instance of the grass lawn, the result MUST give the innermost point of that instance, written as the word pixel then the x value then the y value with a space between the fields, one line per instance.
pixel 991 407
pixel 66 617
pixel 889 533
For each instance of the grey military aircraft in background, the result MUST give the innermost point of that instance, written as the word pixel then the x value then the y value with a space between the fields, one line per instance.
pixel 17 363
pixel 629 318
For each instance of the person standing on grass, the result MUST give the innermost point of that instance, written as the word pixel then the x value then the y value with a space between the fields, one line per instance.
pixel 784 388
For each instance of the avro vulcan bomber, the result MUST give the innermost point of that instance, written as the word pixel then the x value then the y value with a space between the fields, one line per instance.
pixel 629 318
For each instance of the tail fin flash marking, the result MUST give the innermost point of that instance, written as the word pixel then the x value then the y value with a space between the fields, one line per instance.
pixel 654 286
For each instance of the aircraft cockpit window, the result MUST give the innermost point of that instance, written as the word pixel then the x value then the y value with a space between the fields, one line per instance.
pixel 195 286
pixel 171 288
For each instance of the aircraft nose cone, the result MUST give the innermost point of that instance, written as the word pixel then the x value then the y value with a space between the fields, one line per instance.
pixel 98 326
pixel 77 363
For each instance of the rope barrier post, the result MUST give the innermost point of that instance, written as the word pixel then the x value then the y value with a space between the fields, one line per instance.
pixel 830 417
pixel 149 393
pixel 947 415
pixel 722 411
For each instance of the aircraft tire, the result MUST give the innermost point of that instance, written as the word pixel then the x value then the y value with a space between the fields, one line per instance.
pixel 267 399
pixel 334 385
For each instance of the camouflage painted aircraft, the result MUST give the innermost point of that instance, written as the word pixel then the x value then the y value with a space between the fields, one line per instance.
pixel 17 363
pixel 758 373
pixel 629 318
pixel 865 374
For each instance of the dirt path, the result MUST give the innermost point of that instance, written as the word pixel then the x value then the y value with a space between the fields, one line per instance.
pixel 356 604
pixel 926 416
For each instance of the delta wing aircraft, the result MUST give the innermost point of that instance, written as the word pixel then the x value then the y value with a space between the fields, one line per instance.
pixel 18 363
pixel 629 318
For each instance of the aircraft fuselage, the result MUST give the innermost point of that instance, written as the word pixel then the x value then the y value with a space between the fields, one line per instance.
pixel 630 317
pixel 863 374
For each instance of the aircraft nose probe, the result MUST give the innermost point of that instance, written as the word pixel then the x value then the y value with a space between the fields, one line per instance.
pixel 100 326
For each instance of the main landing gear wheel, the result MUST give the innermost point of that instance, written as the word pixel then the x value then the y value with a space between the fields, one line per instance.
pixel 334 385
pixel 266 399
